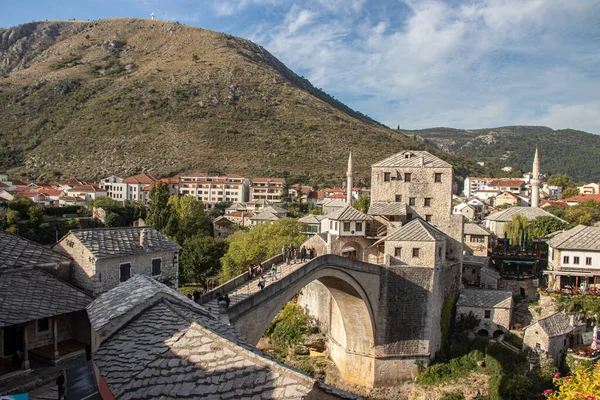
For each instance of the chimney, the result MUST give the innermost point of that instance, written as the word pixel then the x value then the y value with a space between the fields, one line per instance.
pixel 144 238
pixel 422 161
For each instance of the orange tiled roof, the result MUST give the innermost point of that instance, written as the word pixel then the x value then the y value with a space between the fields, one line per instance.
pixel 85 188
pixel 555 203
pixel 276 180
pixel 2 184
pixel 17 182
pixel 142 178
pixel 506 182
pixel 584 197
pixel 246 214
pixel 48 191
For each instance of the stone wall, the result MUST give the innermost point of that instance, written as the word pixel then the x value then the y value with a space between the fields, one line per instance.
pixel 499 318
pixel 554 347
pixel 84 269
pixel 428 252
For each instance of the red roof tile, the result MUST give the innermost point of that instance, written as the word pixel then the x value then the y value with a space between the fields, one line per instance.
pixel 506 182
pixel 584 197
pixel 142 178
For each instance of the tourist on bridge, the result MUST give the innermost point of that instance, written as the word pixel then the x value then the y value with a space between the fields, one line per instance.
pixel 227 300
pixel 250 273
pixel 284 253
pixel 291 253
pixel 261 283
pixel 273 272
pixel 259 270
pixel 303 254
pixel 219 298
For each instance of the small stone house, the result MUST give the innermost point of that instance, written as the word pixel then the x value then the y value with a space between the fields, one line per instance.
pixel 492 307
pixel 553 335
pixel 476 239
pixel 151 342
pixel 105 257
pixel 223 227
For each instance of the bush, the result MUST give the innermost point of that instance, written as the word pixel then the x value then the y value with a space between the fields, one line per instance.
pixel 453 396
pixel 289 327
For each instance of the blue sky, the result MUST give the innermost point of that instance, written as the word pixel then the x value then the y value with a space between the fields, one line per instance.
pixel 417 64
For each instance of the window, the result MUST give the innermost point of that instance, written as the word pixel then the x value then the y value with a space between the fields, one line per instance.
pixel 427 202
pixel 488 314
pixel 439 252
pixel 473 271
pixel 416 252
pixel 330 225
pixel 125 272
pixel 588 261
pixel 156 263
pixel 565 259
pixel 43 325
pixel 386 176
pixel 407 177
pixel 398 198
pixel 359 226
pixel 437 177
pixel 398 252
pixel 428 217
pixel 575 260
pixel 412 201
pixel 477 239
pixel 347 226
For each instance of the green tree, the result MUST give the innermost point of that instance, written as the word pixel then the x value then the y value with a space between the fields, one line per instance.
pixel 191 218
pixel 261 242
pixel 362 204
pixel 200 258
pixel 112 219
pixel 159 211
pixel 515 228
pixel 106 203
pixel 570 192
pixel 218 209
pixel 289 327
pixel 21 204
pixel 12 216
pixel 583 384
pixel 36 215
pixel 543 226
pixel 285 192
pixel 562 180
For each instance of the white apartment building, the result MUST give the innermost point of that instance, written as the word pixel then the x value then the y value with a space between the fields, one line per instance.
pixel 473 184
pixel 212 188
pixel 590 188
pixel 269 189
pixel 127 189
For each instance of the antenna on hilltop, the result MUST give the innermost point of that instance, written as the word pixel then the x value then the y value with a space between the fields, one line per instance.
pixel 152 16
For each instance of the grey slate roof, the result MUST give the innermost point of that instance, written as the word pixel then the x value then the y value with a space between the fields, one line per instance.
pixel 347 213
pixel 387 208
pixel 172 348
pixel 484 298
pixel 556 324
pixel 117 242
pixel 400 160
pixel 416 230
pixel 476 260
pixel 474 229
pixel 29 293
pixel 275 210
pixel 579 238
pixel 265 216
pixel 311 219
pixel 527 212
pixel 17 251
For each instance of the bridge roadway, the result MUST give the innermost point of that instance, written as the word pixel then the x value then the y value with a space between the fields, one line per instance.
pixel 249 288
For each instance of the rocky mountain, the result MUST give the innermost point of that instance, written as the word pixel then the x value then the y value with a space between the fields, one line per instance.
pixel 575 153
pixel 92 99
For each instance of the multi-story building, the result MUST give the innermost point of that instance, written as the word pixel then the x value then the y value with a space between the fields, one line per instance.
pixel 110 185
pixel 574 258
pixel 516 186
pixel 215 188
pixel 127 189
pixel 269 189
pixel 590 188
pixel 474 184
pixel 476 239
pixel 173 184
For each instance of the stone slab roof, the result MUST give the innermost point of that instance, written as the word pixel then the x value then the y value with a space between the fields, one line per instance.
pixel 416 230
pixel 476 260
pixel 484 298
pixel 265 216
pixel 222 220
pixel 556 324
pixel 29 293
pixel 311 219
pixel 172 349
pixel 275 210
pixel 581 237
pixel 17 251
pixel 527 212
pixel 412 158
pixel 474 229
pixel 117 242
pixel 387 208
pixel 347 213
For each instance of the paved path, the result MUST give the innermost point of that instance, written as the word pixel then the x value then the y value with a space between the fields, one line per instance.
pixel 47 392
pixel 250 287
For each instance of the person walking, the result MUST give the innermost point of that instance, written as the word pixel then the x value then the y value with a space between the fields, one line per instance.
pixel 259 270
pixel 273 272
pixel 261 283
pixel 291 252
pixel 303 254
pixel 227 300
pixel 284 253
pixel 250 273
pixel 60 383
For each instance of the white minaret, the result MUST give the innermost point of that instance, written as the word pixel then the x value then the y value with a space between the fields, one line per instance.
pixel 152 16
pixel 535 181
pixel 350 181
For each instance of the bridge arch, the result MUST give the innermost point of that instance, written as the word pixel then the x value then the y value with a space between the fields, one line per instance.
pixel 351 286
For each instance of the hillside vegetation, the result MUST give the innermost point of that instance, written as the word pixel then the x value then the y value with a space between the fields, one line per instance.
pixel 92 99
pixel 575 153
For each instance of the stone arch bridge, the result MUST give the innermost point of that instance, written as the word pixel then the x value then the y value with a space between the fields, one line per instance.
pixel 379 320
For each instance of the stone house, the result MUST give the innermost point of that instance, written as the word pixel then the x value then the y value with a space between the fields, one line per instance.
pixel 223 227
pixel 346 232
pixel 553 335
pixel 43 316
pixel 476 271
pixel 105 257
pixel 313 224
pixel 492 307
pixel 511 199
pixel 476 239
pixel 269 214
pixel 495 222
pixel 574 258
pixel 465 210
pixel 141 328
